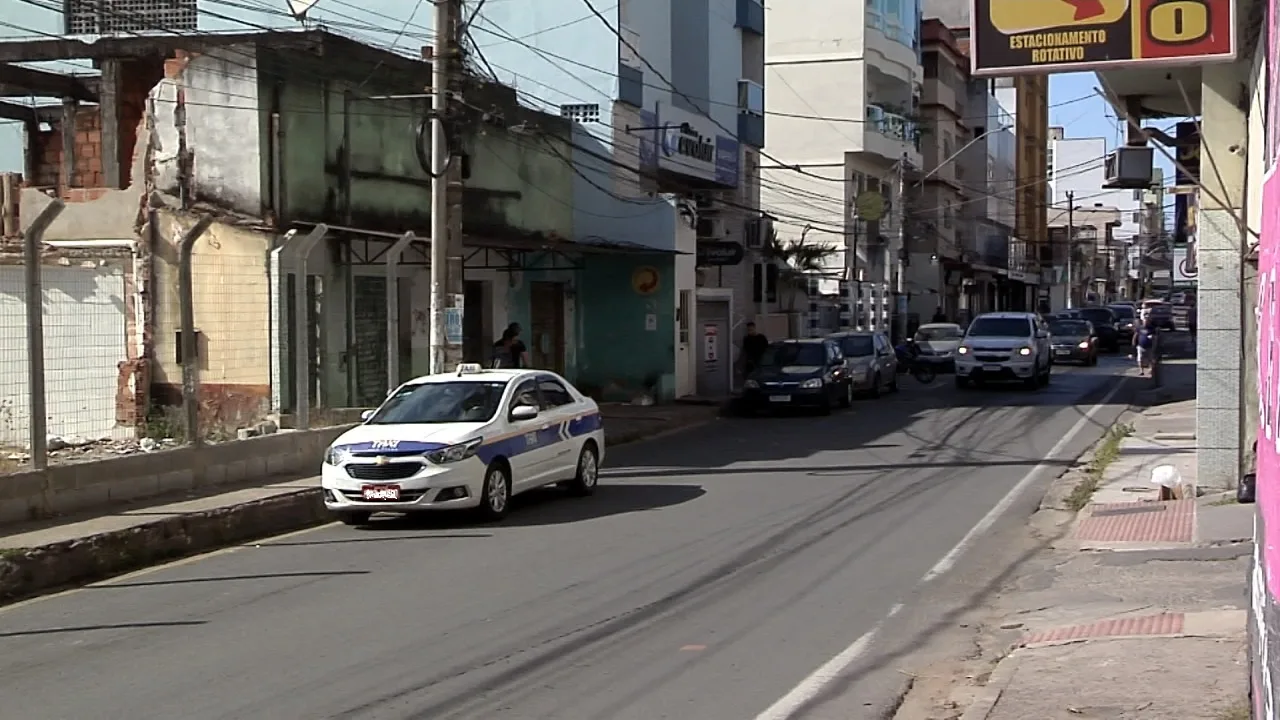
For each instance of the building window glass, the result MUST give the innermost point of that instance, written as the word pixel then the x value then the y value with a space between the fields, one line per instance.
pixel 751 97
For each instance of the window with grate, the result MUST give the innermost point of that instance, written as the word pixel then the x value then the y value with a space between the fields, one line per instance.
pixel 583 113
pixel 113 17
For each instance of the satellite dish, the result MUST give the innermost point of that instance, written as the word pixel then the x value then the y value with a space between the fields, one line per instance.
pixel 299 8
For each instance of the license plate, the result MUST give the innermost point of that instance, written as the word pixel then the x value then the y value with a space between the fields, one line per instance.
pixel 991 368
pixel 380 493
pixel 1063 353
pixel 779 398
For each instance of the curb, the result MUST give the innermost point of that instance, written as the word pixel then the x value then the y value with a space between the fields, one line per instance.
pixel 990 694
pixel 34 571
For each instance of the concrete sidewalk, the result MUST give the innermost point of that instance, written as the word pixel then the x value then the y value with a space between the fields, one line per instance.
pixel 39 556
pixel 1139 609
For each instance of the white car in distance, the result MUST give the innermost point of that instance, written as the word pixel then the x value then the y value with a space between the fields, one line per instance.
pixel 1005 346
pixel 472 439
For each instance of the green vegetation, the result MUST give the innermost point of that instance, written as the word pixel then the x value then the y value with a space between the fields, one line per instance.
pixel 1107 451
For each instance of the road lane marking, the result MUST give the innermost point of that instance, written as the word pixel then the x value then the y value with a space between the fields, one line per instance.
pixel 693 648
pixel 813 686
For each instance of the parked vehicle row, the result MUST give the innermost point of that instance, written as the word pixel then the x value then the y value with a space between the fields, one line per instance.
pixel 821 373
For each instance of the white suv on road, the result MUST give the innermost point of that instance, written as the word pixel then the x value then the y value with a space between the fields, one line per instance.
pixel 1005 346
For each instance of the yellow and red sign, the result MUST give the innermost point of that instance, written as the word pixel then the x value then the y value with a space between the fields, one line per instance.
pixel 1011 37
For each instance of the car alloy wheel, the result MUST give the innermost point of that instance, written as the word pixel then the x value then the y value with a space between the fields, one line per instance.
pixel 497 492
pixel 587 475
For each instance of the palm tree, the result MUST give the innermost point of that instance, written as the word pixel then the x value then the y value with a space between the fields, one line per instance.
pixel 798 261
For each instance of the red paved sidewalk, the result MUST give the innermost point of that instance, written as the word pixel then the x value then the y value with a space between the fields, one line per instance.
pixel 1144 522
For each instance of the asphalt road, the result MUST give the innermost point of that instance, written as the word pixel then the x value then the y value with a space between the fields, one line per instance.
pixel 711 575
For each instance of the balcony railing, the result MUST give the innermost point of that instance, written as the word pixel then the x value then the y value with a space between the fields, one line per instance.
pixel 889 24
pixel 894 126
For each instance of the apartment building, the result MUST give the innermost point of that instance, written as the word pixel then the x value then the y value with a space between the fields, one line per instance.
pixel 667 99
pixel 942 243
pixel 844 94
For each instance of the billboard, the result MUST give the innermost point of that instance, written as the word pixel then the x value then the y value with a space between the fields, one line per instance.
pixel 1011 37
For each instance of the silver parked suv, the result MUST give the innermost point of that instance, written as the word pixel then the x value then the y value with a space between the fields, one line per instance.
pixel 1005 346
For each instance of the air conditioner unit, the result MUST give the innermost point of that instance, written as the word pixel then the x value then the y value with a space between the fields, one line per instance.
pixel 710 228
pixel 1129 168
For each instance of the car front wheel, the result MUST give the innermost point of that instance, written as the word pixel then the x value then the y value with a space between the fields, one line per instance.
pixel 496 498
pixel 587 475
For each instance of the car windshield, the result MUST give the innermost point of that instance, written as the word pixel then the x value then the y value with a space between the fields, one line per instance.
pixel 942 334
pixel 1097 315
pixel 446 402
pixel 857 346
pixel 1124 312
pixel 1069 328
pixel 784 354
pixel 1000 327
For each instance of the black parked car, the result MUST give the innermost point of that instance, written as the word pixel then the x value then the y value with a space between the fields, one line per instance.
pixel 1104 326
pixel 808 373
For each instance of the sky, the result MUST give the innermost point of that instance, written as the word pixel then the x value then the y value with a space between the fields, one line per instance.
pixel 377 20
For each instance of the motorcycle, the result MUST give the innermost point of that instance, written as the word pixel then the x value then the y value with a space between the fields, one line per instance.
pixel 909 361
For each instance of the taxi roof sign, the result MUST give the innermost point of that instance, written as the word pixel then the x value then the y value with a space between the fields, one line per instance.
pixel 469 368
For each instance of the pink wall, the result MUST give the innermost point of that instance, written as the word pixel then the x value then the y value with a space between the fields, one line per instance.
pixel 1269 332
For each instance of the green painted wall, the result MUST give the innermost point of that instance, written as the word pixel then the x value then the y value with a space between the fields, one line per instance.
pixel 617 355
pixel 517 182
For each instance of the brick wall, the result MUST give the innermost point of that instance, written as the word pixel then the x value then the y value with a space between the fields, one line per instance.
pixel 137 78
pixel 47 146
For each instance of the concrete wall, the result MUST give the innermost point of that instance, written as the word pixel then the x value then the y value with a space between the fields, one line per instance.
pixel 232 314
pixel 207 122
pixel 603 208
pixel 76 487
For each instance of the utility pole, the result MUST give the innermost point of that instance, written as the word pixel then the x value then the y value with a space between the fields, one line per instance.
pixel 900 285
pixel 446 192
pixel 1071 245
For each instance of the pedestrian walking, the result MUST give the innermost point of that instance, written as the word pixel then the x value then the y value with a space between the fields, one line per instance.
pixel 939 316
pixel 1144 342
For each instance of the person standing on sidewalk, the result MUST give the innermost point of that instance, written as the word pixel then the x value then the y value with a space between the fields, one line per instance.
pixel 1144 342
pixel 753 346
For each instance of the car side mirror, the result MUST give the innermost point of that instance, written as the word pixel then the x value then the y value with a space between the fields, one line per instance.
pixel 524 412
pixel 364 416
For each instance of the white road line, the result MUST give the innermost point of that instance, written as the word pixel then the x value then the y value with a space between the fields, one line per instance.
pixel 813 685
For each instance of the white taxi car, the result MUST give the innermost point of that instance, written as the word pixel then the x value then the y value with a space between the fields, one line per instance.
pixel 469 439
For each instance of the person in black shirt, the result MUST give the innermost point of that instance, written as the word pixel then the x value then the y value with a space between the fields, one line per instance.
pixel 502 357
pixel 939 316
pixel 753 346
pixel 519 353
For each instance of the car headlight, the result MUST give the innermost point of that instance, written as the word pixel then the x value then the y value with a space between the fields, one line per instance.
pixel 811 383
pixel 962 350
pixel 454 453
pixel 751 385
pixel 1024 352
pixel 336 455
pixel 1084 345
